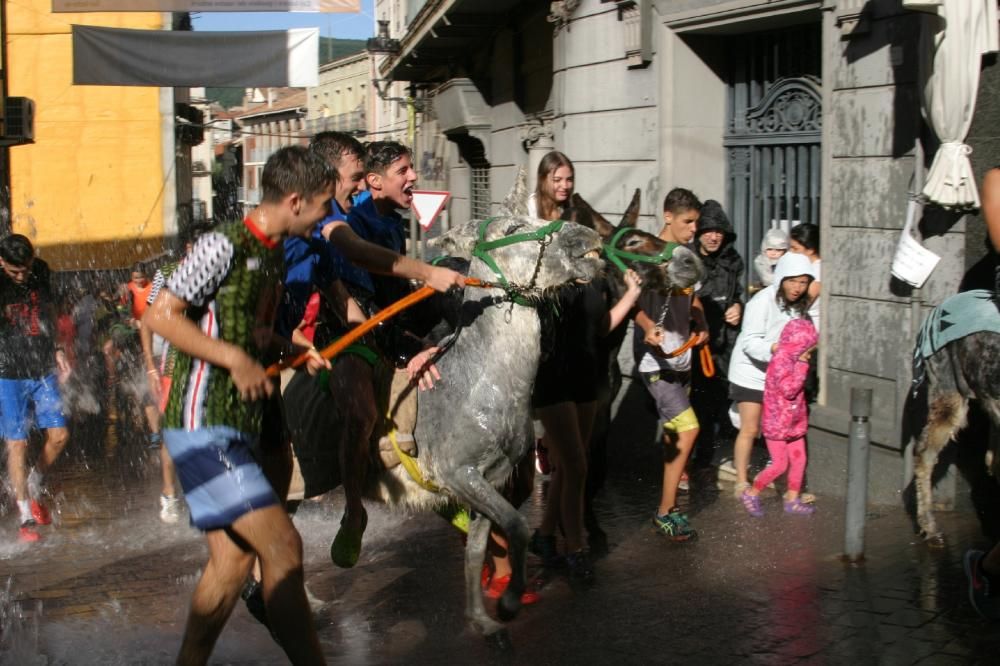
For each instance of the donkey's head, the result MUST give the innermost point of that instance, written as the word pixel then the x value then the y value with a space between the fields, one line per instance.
pixel 527 253
pixel 661 265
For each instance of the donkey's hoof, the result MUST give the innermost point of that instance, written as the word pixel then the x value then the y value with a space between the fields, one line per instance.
pixel 935 540
pixel 499 641
pixel 508 606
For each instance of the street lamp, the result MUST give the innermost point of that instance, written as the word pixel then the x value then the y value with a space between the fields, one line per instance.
pixel 383 44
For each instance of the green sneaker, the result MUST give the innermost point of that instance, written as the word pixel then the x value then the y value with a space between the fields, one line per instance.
pixel 456 515
pixel 346 547
pixel 675 526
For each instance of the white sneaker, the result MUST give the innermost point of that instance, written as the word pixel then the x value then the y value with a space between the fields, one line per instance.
pixel 170 509
pixel 727 472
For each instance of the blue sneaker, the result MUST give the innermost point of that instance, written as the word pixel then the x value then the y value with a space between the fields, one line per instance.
pixel 985 601
pixel 675 526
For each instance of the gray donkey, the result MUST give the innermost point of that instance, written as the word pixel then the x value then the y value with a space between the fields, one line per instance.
pixel 956 352
pixel 475 426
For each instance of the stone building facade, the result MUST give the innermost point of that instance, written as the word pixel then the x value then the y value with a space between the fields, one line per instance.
pixel 342 101
pixel 784 110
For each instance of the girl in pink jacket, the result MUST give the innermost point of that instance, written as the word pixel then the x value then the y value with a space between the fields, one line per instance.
pixel 785 419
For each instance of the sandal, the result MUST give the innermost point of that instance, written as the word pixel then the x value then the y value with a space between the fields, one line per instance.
pixel 799 508
pixel 752 504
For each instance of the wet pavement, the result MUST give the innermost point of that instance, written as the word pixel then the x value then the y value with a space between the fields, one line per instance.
pixel 110 585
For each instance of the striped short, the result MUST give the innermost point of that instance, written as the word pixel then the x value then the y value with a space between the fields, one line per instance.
pixel 222 479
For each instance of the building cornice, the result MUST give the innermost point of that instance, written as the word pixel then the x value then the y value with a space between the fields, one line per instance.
pixel 725 13
pixel 343 62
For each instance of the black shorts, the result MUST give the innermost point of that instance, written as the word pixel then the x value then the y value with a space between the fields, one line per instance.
pixel 739 393
pixel 561 380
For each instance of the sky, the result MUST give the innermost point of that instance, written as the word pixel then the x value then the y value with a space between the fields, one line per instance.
pixel 342 26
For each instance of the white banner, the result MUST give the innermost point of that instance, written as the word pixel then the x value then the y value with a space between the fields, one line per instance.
pixel 120 57
pixel 326 6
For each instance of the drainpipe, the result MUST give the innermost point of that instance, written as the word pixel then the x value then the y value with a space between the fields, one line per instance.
pixel 915 318
pixel 416 237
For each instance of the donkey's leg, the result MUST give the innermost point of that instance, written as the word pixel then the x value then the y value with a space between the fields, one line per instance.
pixel 475 551
pixel 945 418
pixel 470 487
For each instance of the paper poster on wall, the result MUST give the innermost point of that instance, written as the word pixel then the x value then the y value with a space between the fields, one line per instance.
pixel 427 205
pixel 324 6
pixel 912 263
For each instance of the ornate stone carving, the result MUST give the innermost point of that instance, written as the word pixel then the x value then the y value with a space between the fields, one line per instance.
pixel 537 134
pixel 560 11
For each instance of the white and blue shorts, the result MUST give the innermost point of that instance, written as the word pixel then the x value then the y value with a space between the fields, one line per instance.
pixel 222 479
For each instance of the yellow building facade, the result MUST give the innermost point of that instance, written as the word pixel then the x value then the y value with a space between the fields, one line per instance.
pixel 95 189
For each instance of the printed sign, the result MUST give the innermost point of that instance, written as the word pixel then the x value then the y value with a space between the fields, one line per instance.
pixel 427 205
pixel 325 6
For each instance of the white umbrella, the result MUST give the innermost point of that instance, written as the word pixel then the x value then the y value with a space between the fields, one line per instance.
pixel 955 35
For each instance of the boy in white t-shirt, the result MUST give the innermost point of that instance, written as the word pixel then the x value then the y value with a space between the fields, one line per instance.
pixel 663 325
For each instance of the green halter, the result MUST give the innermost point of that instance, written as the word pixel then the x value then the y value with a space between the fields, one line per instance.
pixel 483 247
pixel 615 255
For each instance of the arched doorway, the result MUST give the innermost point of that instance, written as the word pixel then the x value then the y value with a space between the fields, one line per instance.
pixel 774 128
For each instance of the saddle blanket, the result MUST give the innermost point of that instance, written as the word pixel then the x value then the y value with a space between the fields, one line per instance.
pixel 957 317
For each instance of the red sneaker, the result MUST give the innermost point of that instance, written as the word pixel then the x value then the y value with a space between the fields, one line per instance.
pixel 27 532
pixel 40 513
pixel 499 585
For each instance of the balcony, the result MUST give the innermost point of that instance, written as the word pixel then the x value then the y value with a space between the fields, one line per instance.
pixel 352 122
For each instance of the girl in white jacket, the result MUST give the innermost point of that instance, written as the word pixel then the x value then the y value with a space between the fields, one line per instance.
pixel 765 315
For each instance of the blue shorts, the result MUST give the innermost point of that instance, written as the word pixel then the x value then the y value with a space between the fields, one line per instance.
pixel 222 479
pixel 43 396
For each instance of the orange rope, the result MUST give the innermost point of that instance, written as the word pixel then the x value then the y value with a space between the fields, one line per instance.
pixel 684 347
pixel 707 362
pixel 352 336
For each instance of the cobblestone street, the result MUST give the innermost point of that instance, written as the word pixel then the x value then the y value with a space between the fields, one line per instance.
pixel 110 585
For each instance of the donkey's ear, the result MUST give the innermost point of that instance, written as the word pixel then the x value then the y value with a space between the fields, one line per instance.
pixel 457 242
pixel 631 215
pixel 516 203
pixel 582 213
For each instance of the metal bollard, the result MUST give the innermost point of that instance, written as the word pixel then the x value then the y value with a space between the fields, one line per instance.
pixel 857 475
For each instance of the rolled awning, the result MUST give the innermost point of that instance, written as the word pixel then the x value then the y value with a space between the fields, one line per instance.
pixel 121 57
pixel 954 36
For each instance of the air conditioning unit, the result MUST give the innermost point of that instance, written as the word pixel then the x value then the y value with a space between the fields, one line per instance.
pixel 19 119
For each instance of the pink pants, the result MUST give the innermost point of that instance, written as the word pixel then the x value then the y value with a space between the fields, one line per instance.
pixel 784 455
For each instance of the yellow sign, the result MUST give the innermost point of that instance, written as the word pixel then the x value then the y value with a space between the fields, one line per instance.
pixel 326 6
